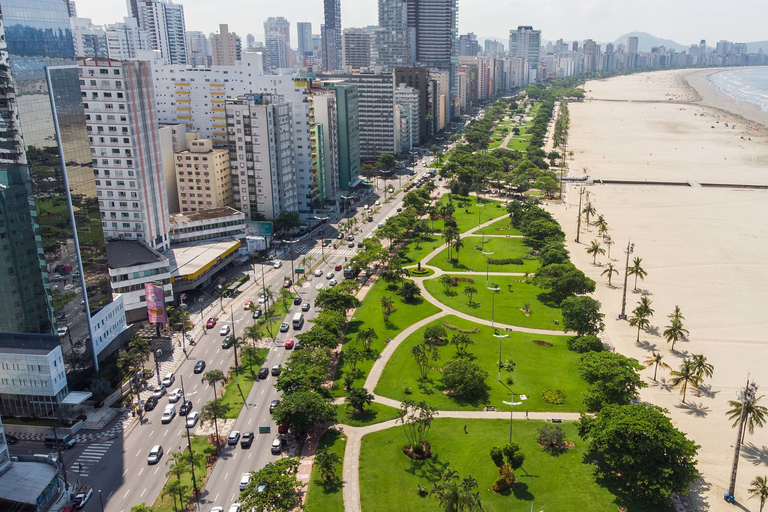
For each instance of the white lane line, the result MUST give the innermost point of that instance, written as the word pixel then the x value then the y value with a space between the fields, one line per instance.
pixel 140 472
pixel 124 472
pixel 262 391
pixel 126 493
pixel 226 475
pixel 166 432
pixel 150 434
pixel 235 456
pixel 109 495
pixel 142 492
pixel 156 470
pixel 139 453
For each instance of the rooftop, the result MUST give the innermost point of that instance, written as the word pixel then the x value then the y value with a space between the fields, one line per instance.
pixel 200 215
pixel 189 261
pixel 128 253
pixel 25 481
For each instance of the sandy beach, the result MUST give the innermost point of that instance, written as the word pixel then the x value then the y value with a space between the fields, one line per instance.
pixel 703 247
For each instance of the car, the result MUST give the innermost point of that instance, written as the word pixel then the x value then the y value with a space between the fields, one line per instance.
pixel 351 244
pixel 56 277
pixel 359 244
pixel 282 429
pixel 377 203
pixel 337 268
pixel 168 414
pixel 247 440
pixel 340 236
pixel 150 403
pixel 297 300
pixel 370 218
pixel 273 404
pixel 287 283
pixel 332 282
pixel 169 379
pixel 399 209
pixel 11 439
pixel 276 370
pixel 381 225
pixel 277 264
pixel 256 314
pixel 226 342
pixel 263 373
pixel 175 395
pixel 158 391
pixel 297 346
pixel 217 509
pixel 244 481
pixel 234 437
pixel 262 299
pixel 318 272
pixel 277 446
pixel 351 238
pixel 235 507
pixel 211 323
pixel 306 306
pixel 82 495
pixel 62 331
pixel 326 243
pixel 200 366
pixel 192 418
pixel 247 304
pixel 284 327
pixel 224 330
pixel 289 344
pixel 185 408
pixel 329 275
pixel 155 454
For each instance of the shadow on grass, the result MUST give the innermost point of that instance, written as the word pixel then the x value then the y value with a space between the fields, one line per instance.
pixel 431 469
pixel 367 416
pixel 627 499
pixel 548 300
pixel 329 487
pixel 426 386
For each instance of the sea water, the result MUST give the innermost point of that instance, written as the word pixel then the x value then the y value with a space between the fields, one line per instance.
pixel 749 85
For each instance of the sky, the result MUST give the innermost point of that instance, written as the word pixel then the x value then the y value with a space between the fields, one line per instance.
pixel 684 21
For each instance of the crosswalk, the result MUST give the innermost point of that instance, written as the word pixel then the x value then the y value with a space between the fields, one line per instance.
pixel 343 252
pixel 90 457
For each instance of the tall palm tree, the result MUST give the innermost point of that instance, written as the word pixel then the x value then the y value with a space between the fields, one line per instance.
pixel 252 332
pixel 701 366
pixel 269 294
pixel 588 211
pixel 675 331
pixel 352 356
pixel 457 245
pixel 387 306
pixel 755 415
pixel 594 249
pixel 212 411
pixel 759 490
pixel 684 377
pixel 600 220
pixel 610 270
pixel 608 241
pixel 367 336
pixel 213 377
pixel 285 296
pixel 602 227
pixel 656 359
pixel 176 488
pixel 636 270
pixel 641 316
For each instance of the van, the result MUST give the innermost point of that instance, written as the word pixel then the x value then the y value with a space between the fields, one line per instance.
pixel 65 440
pixel 298 321
pixel 168 414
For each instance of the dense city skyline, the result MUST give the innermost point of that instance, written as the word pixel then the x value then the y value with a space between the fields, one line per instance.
pixel 601 20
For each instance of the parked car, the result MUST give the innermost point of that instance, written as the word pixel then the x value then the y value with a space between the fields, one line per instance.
pixel 62 331
pixel 211 323
pixel 169 379
pixel 277 446
pixel 185 408
pixel 359 244
pixel 159 391
pixel 244 481
pixel 82 496
pixel 200 366
pixel 263 373
pixel 175 395
pixel 289 344
pixel 340 236
pixel 192 419
pixel 284 327
pixel 247 440
pixel 224 330
pixel 155 454
pixel 297 346
pixel 273 404
pixel 234 437
pixel 276 370
pixel 262 299
pixel 306 306
pixel 151 403
pixel 287 283
pixel 235 507
pixel 297 300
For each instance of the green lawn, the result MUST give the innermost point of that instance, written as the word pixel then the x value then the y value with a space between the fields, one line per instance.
pixel 321 496
pixel 553 483
pixel 537 368
pixel 235 396
pixel 412 254
pixel 369 315
pixel 467 216
pixel 508 305
pixel 165 503
pixel 518 143
pixel 495 143
pixel 502 227
pixel 470 257
pixel 374 413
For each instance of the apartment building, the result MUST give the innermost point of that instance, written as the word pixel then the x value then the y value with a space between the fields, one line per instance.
pixel 203 178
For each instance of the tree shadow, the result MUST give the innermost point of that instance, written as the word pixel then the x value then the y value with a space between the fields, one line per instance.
pixel 390 326
pixel 653 330
pixel 548 300
pixel 450 293
pixel 431 469
pixel 521 492
pixel 481 398
pixel 330 487
pixel 646 345
pixel 474 305
pixel 426 386
pixel 707 391
pixel 367 416
pixel 626 499
pixel 693 408
pixel 664 384
pixel 755 454
pixel 354 326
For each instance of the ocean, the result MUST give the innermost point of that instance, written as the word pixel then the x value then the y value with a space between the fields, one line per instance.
pixel 749 84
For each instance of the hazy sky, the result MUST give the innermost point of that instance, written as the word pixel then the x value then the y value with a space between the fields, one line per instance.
pixel 684 21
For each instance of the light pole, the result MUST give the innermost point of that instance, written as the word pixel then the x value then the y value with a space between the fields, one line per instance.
pixel 578 224
pixel 189 442
pixel 234 345
pixel 487 264
pixel 183 325
pixel 500 336
pixel 746 396
pixel 158 355
pixel 494 289
pixel 630 249
pixel 291 242
pixel 512 405
pixel 479 205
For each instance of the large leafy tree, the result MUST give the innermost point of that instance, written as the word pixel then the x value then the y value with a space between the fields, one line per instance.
pixel 409 291
pixel 464 378
pixel 564 280
pixel 612 378
pixel 303 410
pixel 336 300
pixel 641 450
pixel 317 336
pixel 330 320
pixel 275 487
pixel 582 315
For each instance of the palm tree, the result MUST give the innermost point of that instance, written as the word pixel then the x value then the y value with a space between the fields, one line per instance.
pixel 176 488
pixel 352 356
pixel 656 359
pixel 701 366
pixel 469 291
pixel 600 220
pixel 212 411
pixel 457 245
pixel 641 315
pixel 636 270
pixel 285 296
pixel 594 249
pixel 759 490
pixel 610 270
pixel 387 306
pixel 212 377
pixel 175 461
pixel 755 415
pixel 252 332
pixel 602 227
pixel 141 507
pixel 367 336
pixel 675 331
pixel 269 294
pixel 608 241
pixel 326 462
pixel 589 210
pixel 684 377
pixel 446 281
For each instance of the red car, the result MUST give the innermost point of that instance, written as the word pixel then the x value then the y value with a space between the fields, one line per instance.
pixel 287 283
pixel 337 268
pixel 247 304
pixel 289 344
pixel 211 323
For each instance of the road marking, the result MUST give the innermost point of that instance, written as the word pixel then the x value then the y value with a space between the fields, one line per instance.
pixel 216 498
pixel 166 432
pixel 124 472
pixel 150 434
pixel 235 456
pixel 140 471
pixel 262 391
pixel 126 493
pixel 157 469
pixel 139 452
pixel 226 475
pixel 142 492
pixel 110 494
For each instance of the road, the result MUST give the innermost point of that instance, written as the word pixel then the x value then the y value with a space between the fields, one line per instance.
pixel 119 467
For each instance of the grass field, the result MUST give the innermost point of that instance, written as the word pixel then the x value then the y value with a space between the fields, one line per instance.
pixel 321 496
pixel 374 413
pixel 235 395
pixel 415 254
pixel 553 483
pixel 165 503
pixel 508 304
pixel 472 258
pixel 502 227
pixel 467 216
pixel 537 368
pixel 369 316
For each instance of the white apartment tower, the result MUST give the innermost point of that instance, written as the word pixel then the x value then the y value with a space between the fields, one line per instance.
pixel 198 49
pixel 89 40
pixel 124 39
pixel 277 39
pixel 119 103
pixel 224 47
pixel 164 22
pixel 526 43
pixel 407 100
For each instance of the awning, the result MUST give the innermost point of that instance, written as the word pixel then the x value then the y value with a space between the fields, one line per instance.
pixel 76 397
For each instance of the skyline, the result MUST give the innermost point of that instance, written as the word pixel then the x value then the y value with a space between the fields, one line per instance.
pixel 601 20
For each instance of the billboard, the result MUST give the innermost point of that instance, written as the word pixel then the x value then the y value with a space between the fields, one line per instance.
pixel 254 228
pixel 155 304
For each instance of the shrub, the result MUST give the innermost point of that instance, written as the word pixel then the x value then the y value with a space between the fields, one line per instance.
pixel 550 436
pixel 553 396
pixel 452 327
pixel 584 344
pixel 497 456
pixel 464 379
pixel 507 365
pixel 407 391
pixel 423 491
pixel 505 261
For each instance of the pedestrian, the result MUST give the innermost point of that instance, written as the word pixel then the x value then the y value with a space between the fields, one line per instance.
pixel 79 468
pixel 465 428
pixel 526 414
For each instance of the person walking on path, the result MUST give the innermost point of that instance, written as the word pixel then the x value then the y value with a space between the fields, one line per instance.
pixel 526 414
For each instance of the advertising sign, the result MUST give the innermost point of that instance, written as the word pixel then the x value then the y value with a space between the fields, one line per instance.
pixel 254 228
pixel 155 304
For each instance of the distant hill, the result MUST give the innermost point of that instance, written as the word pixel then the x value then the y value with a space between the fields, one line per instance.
pixel 647 41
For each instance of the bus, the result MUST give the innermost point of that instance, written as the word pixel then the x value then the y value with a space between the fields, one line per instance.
pixel 350 272
pixel 298 321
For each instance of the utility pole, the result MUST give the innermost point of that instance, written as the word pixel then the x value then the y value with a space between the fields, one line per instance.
pixel 234 345
pixel 578 225
pixel 629 250
pixel 746 396
pixel 189 442
pixel 61 458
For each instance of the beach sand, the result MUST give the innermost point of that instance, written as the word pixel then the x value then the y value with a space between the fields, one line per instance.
pixel 704 248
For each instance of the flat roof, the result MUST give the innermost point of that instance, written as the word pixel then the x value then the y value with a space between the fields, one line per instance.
pixel 190 261
pixel 127 253
pixel 211 213
pixel 25 481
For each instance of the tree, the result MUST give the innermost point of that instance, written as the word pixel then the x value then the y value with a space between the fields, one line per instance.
pixel 366 336
pixel 326 463
pixel 588 211
pixel 641 450
pixel 416 419
pixel 141 507
pixel 675 332
pixel 336 300
pixel 358 398
pixel 252 332
pixel 610 270
pixel 594 250
pixel 446 281
pixel 461 341
pixel 212 411
pixel 684 377
pixel 318 336
pixel 331 321
pixel 213 377
pixel 608 241
pixel 755 415
pixel 469 291
pixel 285 296
pixel 387 307
pixel 701 367
pixel 286 221
pixel 563 280
pixel 434 334
pixel 352 356
pixel 582 315
pixel 759 489
pixel 303 410
pixel 551 436
pixel 636 270
pixel 425 355
pixel 386 161
pixel 409 291
pixel 546 184
pixel 457 246
pixel 612 378
pixel 553 252
pixel 641 315
pixel 175 488
pixel 464 379
pixel 655 360
pixel 457 496
pixel 584 344
pixel 275 487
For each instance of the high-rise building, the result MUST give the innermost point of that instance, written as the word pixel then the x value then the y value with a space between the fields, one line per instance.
pixel 125 39
pixel 198 49
pixel 203 177
pixel 330 33
pixel 591 55
pixel 394 42
pixel 224 47
pixel 250 41
pixel 407 105
pixel 325 135
pixel 164 22
pixel 526 43
pixel 348 137
pixel 357 47
pixel 90 40
pixel 304 31
pixel 124 138
pixel 417 78
pixel 493 47
pixel 468 45
pixel 277 38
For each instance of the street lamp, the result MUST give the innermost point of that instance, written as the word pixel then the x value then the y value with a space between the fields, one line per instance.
pixel 512 405
pixel 158 355
pixel 630 249
pixel 189 442
pixel 494 289
pixel 746 396
pixel 479 205
pixel 322 249
pixel 487 264
pixel 291 242
pixel 183 325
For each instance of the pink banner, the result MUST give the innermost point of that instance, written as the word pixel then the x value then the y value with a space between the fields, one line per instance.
pixel 155 304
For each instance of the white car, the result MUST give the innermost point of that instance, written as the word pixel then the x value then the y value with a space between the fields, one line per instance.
pixel 155 455
pixel 82 496
pixel 168 414
pixel 192 419
pixel 62 331
pixel 332 282
pixel 377 203
pixel 277 264
pixel 262 299
pixel 168 379
pixel 244 481
pixel 235 507
pixel 175 395
pixel 318 272
pixel 276 446
pixel 329 275
pixel 224 330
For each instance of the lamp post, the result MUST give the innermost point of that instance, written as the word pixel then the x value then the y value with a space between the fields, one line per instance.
pixel 630 249
pixel 500 336
pixel 494 289
pixel 291 242
pixel 746 396
pixel 158 354
pixel 322 249
pixel 487 264
pixel 481 205
pixel 234 345
pixel 578 224
pixel 183 325
pixel 512 405
pixel 189 442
